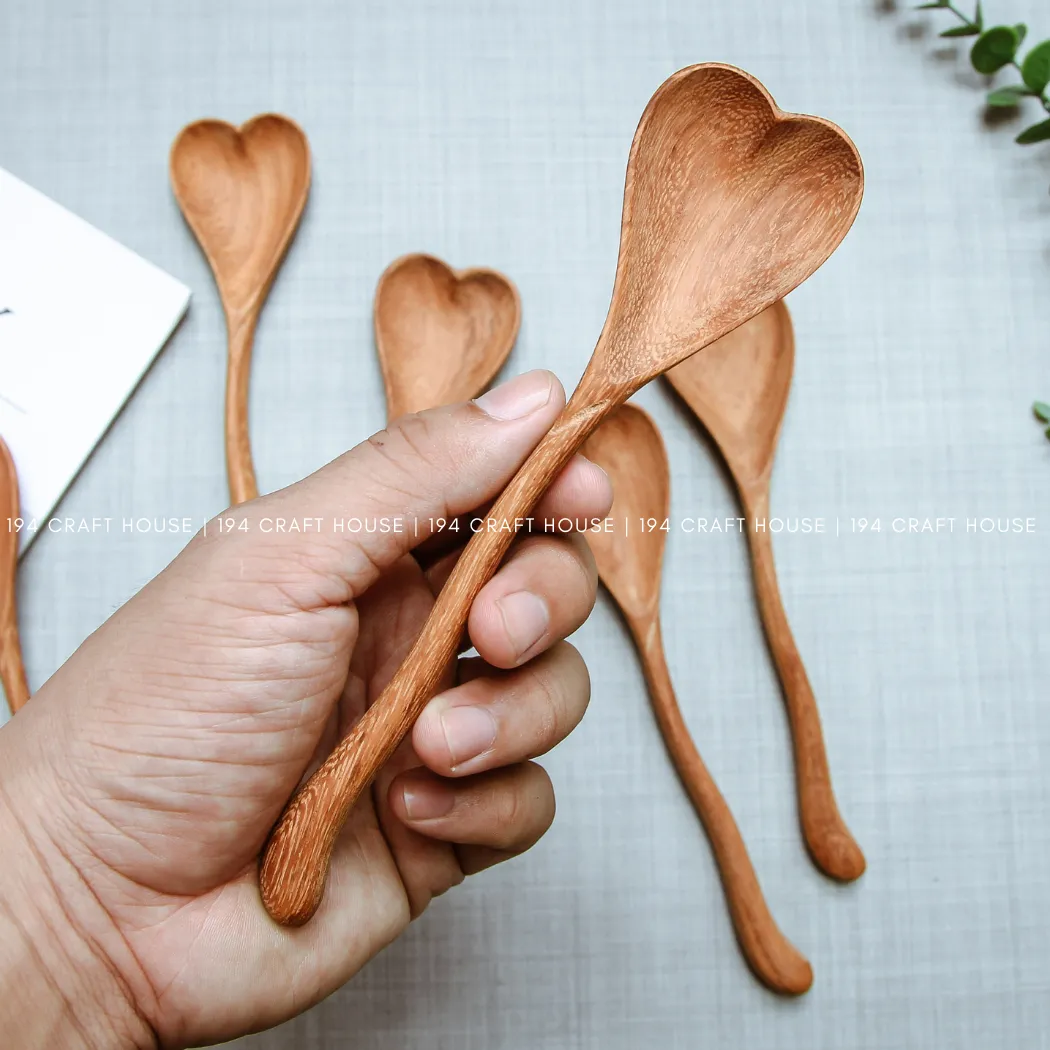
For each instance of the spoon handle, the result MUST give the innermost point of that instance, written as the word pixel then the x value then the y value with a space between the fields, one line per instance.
pixel 12 670
pixel 773 958
pixel 240 471
pixel 295 860
pixel 828 840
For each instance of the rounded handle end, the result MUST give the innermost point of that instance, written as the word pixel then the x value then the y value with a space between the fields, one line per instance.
pixel 835 851
pixel 796 978
pixel 293 869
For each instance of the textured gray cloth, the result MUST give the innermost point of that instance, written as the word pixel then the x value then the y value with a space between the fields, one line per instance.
pixel 496 133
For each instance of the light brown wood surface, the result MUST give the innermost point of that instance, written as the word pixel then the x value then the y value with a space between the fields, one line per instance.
pixel 441 334
pixel 242 191
pixel 628 447
pixel 738 388
pixel 728 205
pixel 12 670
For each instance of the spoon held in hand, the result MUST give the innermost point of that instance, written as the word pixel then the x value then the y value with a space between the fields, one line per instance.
pixel 729 204
pixel 441 334
pixel 738 389
pixel 628 447
pixel 12 669
pixel 242 191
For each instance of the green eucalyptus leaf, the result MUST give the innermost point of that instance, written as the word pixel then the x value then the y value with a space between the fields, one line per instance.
pixel 1048 432
pixel 1036 133
pixel 1035 70
pixel 1022 31
pixel 961 31
pixel 1042 411
pixel 978 18
pixel 1007 97
pixel 994 49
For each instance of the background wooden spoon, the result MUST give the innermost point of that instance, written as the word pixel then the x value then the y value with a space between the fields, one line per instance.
pixel 628 446
pixel 242 191
pixel 729 203
pixel 441 334
pixel 12 669
pixel 738 388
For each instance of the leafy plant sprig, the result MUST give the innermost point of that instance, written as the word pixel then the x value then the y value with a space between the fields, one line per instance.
pixel 1042 413
pixel 998 47
pixel 995 49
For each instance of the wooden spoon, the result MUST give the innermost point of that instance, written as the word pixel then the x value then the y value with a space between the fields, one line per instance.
pixel 12 670
pixel 242 191
pixel 729 204
pixel 738 389
pixel 628 446
pixel 442 334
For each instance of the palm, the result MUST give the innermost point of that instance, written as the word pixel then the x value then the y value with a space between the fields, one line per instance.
pixel 178 828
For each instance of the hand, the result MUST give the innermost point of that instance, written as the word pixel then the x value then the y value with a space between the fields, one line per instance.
pixel 138 786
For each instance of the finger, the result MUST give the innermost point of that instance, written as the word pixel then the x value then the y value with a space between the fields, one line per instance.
pixel 351 520
pixel 580 495
pixel 543 592
pixel 507 809
pixel 496 718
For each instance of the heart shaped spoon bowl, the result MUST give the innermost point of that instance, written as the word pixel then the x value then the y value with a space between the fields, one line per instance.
pixel 242 192
pixel 628 447
pixel 729 204
pixel 441 334
pixel 738 389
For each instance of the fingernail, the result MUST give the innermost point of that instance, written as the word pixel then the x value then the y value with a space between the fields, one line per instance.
pixel 519 397
pixel 427 800
pixel 469 732
pixel 525 619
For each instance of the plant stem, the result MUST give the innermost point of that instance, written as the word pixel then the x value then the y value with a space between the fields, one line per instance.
pixel 1044 99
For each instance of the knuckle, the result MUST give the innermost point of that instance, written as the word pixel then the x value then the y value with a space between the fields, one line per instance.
pixel 587 563
pixel 407 446
pixel 575 570
pixel 561 689
pixel 549 703
pixel 510 811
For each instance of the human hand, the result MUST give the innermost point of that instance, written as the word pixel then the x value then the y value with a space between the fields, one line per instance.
pixel 139 785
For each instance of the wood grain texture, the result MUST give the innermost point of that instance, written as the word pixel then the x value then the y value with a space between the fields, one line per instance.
pixel 242 192
pixel 12 669
pixel 738 389
pixel 441 334
pixel 728 205
pixel 628 447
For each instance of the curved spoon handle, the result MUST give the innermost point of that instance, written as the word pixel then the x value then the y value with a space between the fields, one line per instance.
pixel 239 467
pixel 828 840
pixel 12 670
pixel 773 958
pixel 295 860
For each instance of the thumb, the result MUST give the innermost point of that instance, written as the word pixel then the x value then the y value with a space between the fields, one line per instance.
pixel 327 538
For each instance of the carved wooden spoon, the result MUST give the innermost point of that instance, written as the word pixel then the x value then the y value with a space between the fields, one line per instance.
pixel 242 191
pixel 12 670
pixel 442 334
pixel 628 446
pixel 738 389
pixel 729 204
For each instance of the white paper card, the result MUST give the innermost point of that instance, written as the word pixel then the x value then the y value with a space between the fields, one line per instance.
pixel 81 318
